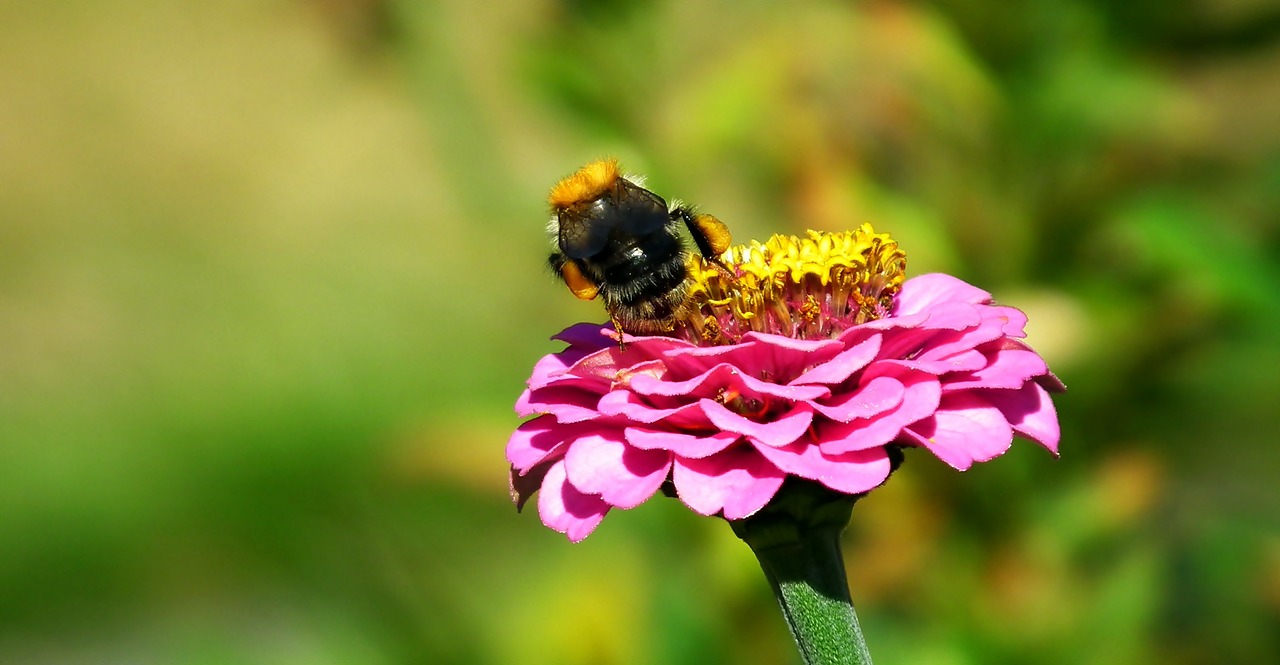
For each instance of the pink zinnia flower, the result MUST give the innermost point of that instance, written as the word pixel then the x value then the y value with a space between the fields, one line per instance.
pixel 811 360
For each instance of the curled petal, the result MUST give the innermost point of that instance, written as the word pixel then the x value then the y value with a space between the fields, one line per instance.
pixel 569 404
pixel 887 324
pixel 551 367
pixel 966 429
pixel 627 405
pixel 1006 368
pixel 783 357
pixel 921 292
pixel 871 399
pixel 565 509
pixel 538 439
pixel 921 395
pixel 843 365
pixel 948 329
pixel 622 475
pixel 736 483
pixel 953 316
pixel 852 473
pixel 1030 411
pixel 681 443
pixel 906 343
pixel 605 363
pixel 650 369
pixel 724 377
pixel 758 355
pixel 778 431
pixel 1015 320
pixel 965 361
pixel 949 343
pixel 694 360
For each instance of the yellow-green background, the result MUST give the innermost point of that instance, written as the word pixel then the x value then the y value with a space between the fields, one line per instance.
pixel 272 274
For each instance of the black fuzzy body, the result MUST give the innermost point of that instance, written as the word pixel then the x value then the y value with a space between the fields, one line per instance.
pixel 628 244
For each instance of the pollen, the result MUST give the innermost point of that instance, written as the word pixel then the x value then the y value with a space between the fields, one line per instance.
pixel 811 287
pixel 585 185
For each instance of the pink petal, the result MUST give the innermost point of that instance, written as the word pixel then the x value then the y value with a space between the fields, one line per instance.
pixel 551 366
pixel 651 369
pixel 778 431
pixel 843 365
pixel 680 443
pixel 627 405
pixel 607 362
pixel 783 358
pixel 536 440
pixel 912 343
pixel 964 361
pixel 694 360
pixel 944 322
pixel 1008 368
pixel 950 343
pixel 923 291
pixel 966 429
pixel 886 324
pixel 952 316
pixel 873 397
pixel 759 355
pixel 569 404
pixel 1030 411
pixel 790 344
pixel 852 473
pixel 621 475
pixel 737 482
pixel 567 510
pixel 724 377
pixel 919 400
pixel 1015 321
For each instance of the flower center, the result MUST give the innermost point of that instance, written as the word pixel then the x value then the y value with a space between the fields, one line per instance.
pixel 750 407
pixel 807 288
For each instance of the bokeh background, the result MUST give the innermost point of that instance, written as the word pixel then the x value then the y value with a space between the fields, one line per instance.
pixel 272 274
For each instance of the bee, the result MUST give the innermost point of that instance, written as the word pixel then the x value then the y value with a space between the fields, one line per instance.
pixel 618 241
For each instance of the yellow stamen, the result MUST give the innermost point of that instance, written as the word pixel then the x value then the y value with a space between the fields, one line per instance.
pixel 812 287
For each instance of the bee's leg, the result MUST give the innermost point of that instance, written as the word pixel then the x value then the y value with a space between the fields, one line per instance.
pixel 571 273
pixel 617 325
pixel 710 234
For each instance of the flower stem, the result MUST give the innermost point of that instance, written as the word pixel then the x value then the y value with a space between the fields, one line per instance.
pixel 796 538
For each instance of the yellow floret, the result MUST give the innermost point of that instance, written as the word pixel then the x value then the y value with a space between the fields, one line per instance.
pixel 810 287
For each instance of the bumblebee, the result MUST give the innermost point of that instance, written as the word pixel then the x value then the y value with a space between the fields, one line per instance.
pixel 616 240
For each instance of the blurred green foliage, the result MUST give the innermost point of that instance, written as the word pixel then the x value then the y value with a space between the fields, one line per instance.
pixel 271 277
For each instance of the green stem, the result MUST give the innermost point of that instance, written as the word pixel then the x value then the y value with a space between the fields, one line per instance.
pixel 796 538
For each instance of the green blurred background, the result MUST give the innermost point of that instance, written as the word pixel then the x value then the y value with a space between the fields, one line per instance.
pixel 271 276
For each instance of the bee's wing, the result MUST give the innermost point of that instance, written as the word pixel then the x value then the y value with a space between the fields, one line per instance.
pixel 635 212
pixel 641 212
pixel 580 236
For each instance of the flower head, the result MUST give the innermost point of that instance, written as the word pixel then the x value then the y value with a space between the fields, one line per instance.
pixel 797 357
